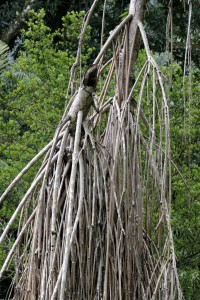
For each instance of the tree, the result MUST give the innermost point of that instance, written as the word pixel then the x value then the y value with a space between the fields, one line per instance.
pixel 100 203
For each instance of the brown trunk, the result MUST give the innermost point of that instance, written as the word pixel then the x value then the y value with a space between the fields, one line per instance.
pixel 137 8
pixel 14 28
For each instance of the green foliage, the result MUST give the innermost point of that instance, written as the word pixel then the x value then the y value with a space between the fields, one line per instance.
pixel 190 279
pixel 71 34
pixel 183 99
pixel 185 123
pixel 8 12
pixel 32 100
pixel 32 94
pixel 3 55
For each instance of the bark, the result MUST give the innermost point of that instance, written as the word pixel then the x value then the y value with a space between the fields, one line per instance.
pixel 136 9
pixel 14 28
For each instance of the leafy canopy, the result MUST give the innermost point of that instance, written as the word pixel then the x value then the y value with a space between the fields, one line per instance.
pixel 32 94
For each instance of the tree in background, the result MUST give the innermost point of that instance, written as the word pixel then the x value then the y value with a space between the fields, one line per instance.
pixel 190 168
pixel 32 99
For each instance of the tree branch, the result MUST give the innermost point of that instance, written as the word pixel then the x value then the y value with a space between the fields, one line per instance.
pixel 17 24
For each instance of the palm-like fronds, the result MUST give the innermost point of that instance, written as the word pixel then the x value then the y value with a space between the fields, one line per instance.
pixel 3 55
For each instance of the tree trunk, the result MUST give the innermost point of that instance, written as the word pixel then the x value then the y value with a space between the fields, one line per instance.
pixel 137 9
pixel 14 28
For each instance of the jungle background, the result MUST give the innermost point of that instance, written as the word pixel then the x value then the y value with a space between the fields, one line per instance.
pixel 34 74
